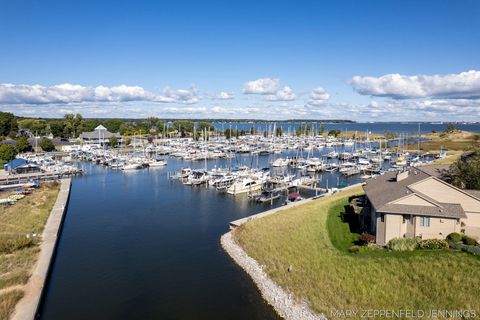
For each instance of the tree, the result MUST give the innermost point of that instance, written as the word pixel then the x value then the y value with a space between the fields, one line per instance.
pixel 23 145
pixel 56 128
pixel 39 126
pixel 465 172
pixel 71 124
pixel 113 125
pixel 451 127
pixel 228 133
pixel 7 152
pixel 204 125
pixel 46 144
pixel 334 132
pixel 278 132
pixel 8 123
pixel 321 130
pixel 183 127
pixel 113 141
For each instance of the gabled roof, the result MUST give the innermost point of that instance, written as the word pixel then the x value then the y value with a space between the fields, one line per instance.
pixel 100 127
pixel 391 196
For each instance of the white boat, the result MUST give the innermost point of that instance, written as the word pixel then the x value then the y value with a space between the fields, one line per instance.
pixel 244 186
pixel 132 166
pixel 157 163
pixel 280 162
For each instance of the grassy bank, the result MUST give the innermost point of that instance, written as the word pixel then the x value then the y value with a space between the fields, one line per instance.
pixel 314 242
pixel 17 252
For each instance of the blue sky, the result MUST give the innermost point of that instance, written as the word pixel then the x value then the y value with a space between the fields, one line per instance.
pixel 242 59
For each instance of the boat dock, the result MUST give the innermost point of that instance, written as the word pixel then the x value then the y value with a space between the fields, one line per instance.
pixel 239 222
pixel 8 179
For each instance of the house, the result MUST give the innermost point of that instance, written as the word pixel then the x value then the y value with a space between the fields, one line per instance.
pixel 417 203
pixel 21 166
pixel 100 136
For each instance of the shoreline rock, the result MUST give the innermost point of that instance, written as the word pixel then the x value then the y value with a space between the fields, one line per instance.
pixel 282 301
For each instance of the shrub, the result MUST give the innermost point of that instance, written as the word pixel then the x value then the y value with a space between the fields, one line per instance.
pixel 454 237
pixel 402 244
pixel 472 249
pixel 469 241
pixel 433 244
pixel 10 244
pixel 366 238
pixel 46 144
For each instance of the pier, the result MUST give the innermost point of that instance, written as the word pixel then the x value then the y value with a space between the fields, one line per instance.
pixel 10 179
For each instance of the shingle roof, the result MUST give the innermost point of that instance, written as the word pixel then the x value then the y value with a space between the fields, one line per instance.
pixel 383 190
pixel 444 210
pixel 436 170
pixel 95 135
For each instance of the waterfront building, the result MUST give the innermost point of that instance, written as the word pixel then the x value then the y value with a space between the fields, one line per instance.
pixel 418 203
pixel 99 136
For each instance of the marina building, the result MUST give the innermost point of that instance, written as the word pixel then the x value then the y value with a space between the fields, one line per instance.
pixel 99 136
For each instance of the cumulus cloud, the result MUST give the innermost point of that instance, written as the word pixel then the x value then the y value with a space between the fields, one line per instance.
pixel 12 94
pixel 261 86
pixel 318 97
pixel 461 85
pixel 224 96
pixel 178 96
pixel 285 94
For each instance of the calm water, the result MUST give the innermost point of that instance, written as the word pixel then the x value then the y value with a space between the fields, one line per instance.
pixel 138 246
pixel 377 127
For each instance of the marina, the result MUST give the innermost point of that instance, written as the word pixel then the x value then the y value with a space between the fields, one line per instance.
pixel 117 219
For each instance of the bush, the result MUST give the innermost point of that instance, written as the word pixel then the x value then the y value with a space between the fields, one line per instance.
pixel 10 244
pixel 472 249
pixel 46 144
pixel 402 244
pixel 469 241
pixel 454 237
pixel 366 238
pixel 433 244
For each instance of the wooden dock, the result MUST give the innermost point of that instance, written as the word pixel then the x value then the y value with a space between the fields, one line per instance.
pixel 6 179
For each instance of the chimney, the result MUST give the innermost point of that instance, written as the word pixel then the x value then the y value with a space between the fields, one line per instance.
pixel 402 175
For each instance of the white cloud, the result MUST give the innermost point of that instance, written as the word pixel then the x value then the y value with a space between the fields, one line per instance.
pixel 461 85
pixel 178 96
pixel 11 94
pixel 261 86
pixel 285 94
pixel 318 97
pixel 224 95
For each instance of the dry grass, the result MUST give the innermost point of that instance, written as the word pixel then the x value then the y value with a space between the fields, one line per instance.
pixel 8 301
pixel 331 279
pixel 27 216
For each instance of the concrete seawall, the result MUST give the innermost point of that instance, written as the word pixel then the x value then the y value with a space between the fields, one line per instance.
pixel 27 307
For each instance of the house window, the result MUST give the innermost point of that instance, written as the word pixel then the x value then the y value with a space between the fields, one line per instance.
pixel 382 217
pixel 424 221
pixel 406 219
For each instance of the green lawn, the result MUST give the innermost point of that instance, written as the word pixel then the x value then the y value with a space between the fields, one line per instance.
pixel 331 278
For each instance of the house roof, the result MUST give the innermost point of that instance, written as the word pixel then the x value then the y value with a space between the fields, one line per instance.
pixel 96 135
pixel 100 127
pixel 383 191
pixel 436 170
